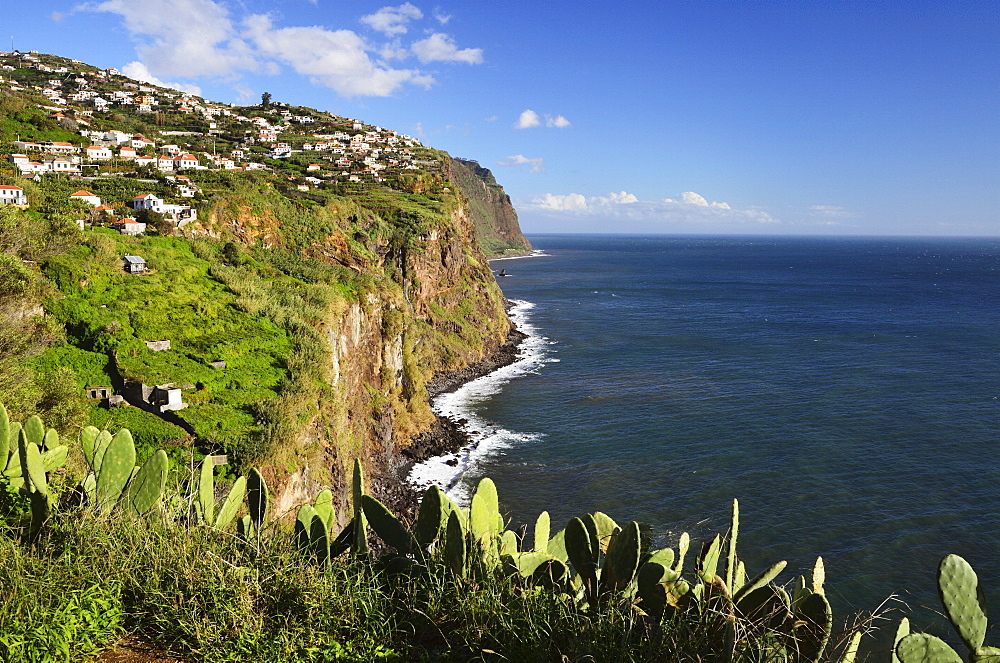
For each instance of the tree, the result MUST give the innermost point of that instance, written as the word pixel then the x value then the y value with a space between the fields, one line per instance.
pixel 265 100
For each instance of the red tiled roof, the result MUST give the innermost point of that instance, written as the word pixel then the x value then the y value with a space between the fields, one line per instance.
pixel 81 192
pixel 11 188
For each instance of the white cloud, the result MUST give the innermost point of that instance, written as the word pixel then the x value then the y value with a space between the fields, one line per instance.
pixel 392 20
pixel 441 17
pixel 493 118
pixel 692 198
pixel 57 16
pixel 570 202
pixel 537 164
pixel 689 210
pixel 439 47
pixel 194 38
pixel 140 72
pixel 337 59
pixel 528 119
pixel 182 37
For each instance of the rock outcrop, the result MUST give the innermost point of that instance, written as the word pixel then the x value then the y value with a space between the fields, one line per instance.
pixel 490 208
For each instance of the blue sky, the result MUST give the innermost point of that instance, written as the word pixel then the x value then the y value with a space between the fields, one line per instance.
pixel 749 117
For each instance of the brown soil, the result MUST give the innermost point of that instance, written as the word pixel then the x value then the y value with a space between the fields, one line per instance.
pixel 134 650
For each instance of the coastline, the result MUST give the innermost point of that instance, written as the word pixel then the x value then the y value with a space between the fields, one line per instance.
pixel 446 435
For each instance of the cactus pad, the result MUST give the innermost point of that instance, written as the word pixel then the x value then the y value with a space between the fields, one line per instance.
pixel 924 648
pixel 146 487
pixel 963 600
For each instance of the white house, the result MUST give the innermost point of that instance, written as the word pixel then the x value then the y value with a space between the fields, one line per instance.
pixel 12 195
pixel 126 152
pixel 61 165
pixel 185 161
pixel 147 201
pixel 165 163
pixel 97 153
pixel 86 197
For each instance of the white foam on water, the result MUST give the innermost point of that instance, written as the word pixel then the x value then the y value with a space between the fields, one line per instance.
pixel 488 439
pixel 537 253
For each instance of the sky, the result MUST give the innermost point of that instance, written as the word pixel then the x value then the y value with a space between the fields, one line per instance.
pixel 876 117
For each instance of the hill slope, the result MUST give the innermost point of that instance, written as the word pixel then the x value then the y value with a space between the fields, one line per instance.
pixel 311 273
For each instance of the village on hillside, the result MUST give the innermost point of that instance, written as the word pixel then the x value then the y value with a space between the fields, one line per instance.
pixel 96 123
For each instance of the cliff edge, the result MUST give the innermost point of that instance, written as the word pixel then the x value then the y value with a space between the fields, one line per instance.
pixel 489 205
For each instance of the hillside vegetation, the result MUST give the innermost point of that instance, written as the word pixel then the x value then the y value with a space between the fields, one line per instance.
pixel 310 272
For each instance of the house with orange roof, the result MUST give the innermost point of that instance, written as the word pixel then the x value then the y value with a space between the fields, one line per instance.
pixel 185 161
pixel 86 197
pixel 97 153
pixel 12 195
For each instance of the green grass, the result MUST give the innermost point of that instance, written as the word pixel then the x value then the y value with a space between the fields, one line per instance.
pixel 208 597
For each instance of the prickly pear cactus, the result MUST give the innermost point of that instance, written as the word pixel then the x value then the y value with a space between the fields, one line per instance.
pixel 146 487
pixel 227 512
pixel 4 437
pixel 925 648
pixel 455 547
pixel 116 465
pixel 257 498
pixel 963 600
pixel 731 562
pixel 622 559
pixel 325 509
pixel 432 518
pixel 360 522
pixel 484 514
pixel 387 526
pixel 205 498
pixel 542 526
pixel 811 631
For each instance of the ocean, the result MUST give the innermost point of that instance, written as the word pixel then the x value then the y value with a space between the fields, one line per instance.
pixel 845 390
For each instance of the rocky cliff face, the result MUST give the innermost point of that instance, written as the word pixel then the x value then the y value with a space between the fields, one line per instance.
pixel 422 305
pixel 490 208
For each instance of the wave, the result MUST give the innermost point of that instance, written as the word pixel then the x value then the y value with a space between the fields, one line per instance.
pixel 487 438
pixel 537 253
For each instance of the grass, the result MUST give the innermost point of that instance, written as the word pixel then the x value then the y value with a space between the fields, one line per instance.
pixel 209 597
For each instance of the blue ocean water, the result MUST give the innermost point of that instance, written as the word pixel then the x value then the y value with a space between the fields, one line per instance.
pixel 846 391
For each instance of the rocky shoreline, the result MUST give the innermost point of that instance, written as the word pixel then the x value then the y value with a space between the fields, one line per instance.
pixel 445 436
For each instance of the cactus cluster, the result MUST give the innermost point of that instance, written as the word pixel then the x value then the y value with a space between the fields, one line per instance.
pixel 28 453
pixel 114 479
pixel 204 498
pixel 958 586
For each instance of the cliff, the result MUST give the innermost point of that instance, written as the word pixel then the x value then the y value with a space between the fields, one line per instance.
pixel 489 205
pixel 307 304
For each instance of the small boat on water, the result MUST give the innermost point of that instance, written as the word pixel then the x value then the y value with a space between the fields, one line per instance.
pixel 503 272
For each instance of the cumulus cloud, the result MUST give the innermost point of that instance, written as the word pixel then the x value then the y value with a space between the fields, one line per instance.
pixel 688 210
pixel 392 20
pixel 441 17
pixel 528 119
pixel 195 38
pixel 337 59
pixel 570 202
pixel 182 37
pixel 692 198
pixel 140 72
pixel 537 164
pixel 439 47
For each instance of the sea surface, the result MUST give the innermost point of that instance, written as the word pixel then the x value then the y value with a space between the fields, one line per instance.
pixel 846 391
